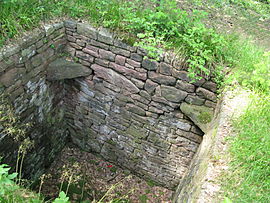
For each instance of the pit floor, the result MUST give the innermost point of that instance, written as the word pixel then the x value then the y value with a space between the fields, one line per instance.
pixel 88 178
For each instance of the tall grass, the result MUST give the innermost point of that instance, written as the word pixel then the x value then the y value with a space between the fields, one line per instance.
pixel 250 64
pixel 248 179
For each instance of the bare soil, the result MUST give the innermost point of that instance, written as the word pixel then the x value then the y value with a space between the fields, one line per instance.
pixel 89 178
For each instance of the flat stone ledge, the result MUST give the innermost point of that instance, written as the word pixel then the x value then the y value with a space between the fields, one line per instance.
pixel 61 69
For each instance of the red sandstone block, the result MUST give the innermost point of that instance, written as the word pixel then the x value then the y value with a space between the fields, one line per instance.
pixel 74 45
pixel 129 72
pixel 80 43
pixel 120 60
pixel 134 63
pixel 102 62
pixel 84 56
pixel 91 52
pixel 108 55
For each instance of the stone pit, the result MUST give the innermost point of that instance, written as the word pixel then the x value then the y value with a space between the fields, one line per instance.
pixel 81 84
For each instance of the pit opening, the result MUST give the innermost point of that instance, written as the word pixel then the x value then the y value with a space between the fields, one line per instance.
pixel 80 85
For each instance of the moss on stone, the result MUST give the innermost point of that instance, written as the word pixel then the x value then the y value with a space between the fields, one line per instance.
pixel 200 115
pixel 205 117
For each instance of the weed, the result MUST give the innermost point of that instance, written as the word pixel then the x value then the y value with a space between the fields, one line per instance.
pixel 13 127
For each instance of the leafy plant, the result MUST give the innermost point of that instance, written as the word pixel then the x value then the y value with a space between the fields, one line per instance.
pixel 62 198
pixel 10 192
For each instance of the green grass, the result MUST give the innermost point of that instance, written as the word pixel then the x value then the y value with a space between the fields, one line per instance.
pixel 261 7
pixel 149 26
pixel 248 179
pixel 251 64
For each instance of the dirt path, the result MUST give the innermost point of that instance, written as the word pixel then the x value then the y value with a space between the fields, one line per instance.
pixel 233 105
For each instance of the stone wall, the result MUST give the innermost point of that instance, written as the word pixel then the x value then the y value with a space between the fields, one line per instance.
pixel 124 106
pixel 34 99
pixel 128 111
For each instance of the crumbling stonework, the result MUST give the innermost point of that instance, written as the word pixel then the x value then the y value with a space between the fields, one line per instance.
pixel 124 106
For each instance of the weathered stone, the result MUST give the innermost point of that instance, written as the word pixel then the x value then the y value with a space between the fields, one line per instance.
pixel 141 51
pixel 135 64
pixel 29 40
pixel 199 83
pixel 84 56
pixel 155 110
pixel 145 95
pixel 124 99
pixel 29 52
pixel 172 94
pixel 194 100
pixel 91 52
pixel 85 63
pixel 137 132
pixel 120 44
pixel 114 78
pixel 141 105
pixel 196 130
pixel 129 66
pixel 140 99
pixel 150 86
pixel 99 44
pixel 121 60
pixel 120 51
pixel 210 86
pixel 62 69
pixel 185 86
pixel 107 55
pixel 49 29
pixel 60 45
pixel 138 83
pixel 151 114
pixel 114 109
pixel 69 49
pixel 9 78
pixel 70 24
pixel 183 75
pixel 210 104
pixel 87 30
pixel 105 36
pixel 81 43
pixel 149 64
pixel 200 115
pixel 206 94
pixel 71 38
pixel 128 72
pixel 177 123
pixel 165 69
pixel 160 106
pixel 136 57
pixel 141 70
pixel 69 33
pixel 58 26
pixel 161 79
pixel 37 60
pixel 76 46
pixel 102 62
pixel 135 109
